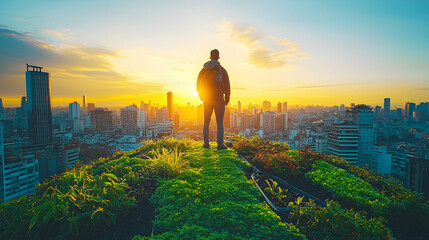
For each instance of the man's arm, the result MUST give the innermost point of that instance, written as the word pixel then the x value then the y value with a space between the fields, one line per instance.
pixel 226 85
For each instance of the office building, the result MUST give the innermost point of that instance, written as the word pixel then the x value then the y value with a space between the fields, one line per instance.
pixel 2 113
pixel 101 119
pixel 266 106
pixel 409 110
pixel 285 107
pixel 142 119
pixel 129 117
pixel 381 160
pixel 91 107
pixel 363 117
pixel 162 115
pixel 19 173
pixel 170 105
pixel 281 123
pixel 84 102
pixel 387 108
pixel 267 122
pixel 74 111
pixel 279 107
pixel 39 112
pixel 343 142
pixel 239 106
pixel 70 156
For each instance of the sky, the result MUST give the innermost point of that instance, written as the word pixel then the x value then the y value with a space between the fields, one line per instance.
pixel 303 52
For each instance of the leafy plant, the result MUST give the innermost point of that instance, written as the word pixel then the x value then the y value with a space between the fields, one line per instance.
pixel 334 222
pixel 275 190
pixel 347 186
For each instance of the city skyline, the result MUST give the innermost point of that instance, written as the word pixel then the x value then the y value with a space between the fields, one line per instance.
pixel 306 53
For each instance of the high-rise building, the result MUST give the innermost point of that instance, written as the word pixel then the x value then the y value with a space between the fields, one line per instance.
pixel 91 107
pixel 101 119
pixel 387 108
pixel 343 142
pixel 176 120
pixel 381 160
pixel 2 115
pixel 409 110
pixel 129 120
pixel 285 107
pixel 239 106
pixel 162 115
pixel 19 173
pixel 363 117
pixel 170 104
pixel 21 120
pixel 279 107
pixel 142 119
pixel 38 86
pixel 84 102
pixel 266 106
pixel 281 123
pixel 268 122
pixel 74 110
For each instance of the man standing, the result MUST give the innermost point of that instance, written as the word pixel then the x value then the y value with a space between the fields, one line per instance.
pixel 214 89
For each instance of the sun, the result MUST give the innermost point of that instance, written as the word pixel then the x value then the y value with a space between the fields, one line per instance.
pixel 195 94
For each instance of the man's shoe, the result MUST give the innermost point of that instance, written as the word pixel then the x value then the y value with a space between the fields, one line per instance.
pixel 206 146
pixel 221 147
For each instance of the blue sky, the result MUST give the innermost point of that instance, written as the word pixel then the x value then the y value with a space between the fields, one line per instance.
pixel 303 52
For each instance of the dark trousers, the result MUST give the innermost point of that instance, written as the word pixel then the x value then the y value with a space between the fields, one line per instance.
pixel 219 109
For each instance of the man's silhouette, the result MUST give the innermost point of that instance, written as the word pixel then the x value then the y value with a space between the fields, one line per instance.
pixel 214 89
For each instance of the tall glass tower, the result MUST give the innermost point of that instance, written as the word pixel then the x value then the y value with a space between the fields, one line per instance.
pixel 39 110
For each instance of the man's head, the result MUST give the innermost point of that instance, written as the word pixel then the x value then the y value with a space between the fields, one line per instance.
pixel 214 54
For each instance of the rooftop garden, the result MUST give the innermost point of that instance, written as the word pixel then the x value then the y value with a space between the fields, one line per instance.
pixel 175 189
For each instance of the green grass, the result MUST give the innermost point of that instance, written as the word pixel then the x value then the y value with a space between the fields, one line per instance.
pixel 214 200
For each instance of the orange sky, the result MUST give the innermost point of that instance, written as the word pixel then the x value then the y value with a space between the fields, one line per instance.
pixel 318 54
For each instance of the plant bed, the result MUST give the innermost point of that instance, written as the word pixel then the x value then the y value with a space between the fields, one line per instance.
pixel 138 222
pixel 279 194
pixel 214 200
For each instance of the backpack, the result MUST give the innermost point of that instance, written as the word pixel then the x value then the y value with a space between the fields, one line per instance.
pixel 212 84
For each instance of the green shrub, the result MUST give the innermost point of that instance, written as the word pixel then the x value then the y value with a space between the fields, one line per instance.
pixel 347 186
pixel 333 222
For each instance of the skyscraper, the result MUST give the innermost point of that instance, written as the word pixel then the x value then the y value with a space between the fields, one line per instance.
pixel 101 120
pixel 91 107
pixel 129 117
pixel 279 107
pixel 170 104
pixel 409 109
pixel 239 106
pixel 285 107
pixel 39 110
pixel 84 102
pixel 363 117
pixel 74 110
pixel 387 108
pixel 266 106
pixel 2 115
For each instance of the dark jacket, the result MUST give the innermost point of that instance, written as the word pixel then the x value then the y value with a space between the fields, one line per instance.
pixel 226 91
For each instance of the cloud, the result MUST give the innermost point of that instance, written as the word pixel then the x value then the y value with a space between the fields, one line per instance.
pixel 75 69
pixel 65 34
pixel 264 51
